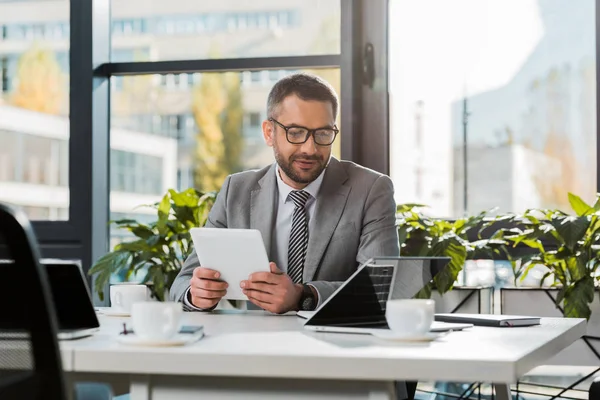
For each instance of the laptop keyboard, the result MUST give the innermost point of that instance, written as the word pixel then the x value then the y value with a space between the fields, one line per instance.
pixel 373 290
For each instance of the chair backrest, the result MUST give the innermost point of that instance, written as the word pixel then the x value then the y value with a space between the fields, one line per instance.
pixel 30 363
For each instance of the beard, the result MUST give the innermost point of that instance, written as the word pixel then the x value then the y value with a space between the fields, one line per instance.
pixel 287 166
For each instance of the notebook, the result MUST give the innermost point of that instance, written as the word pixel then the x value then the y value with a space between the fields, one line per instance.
pixel 489 319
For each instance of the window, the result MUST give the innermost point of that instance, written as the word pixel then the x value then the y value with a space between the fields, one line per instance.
pixel 255 120
pixel 178 28
pixel 34 101
pixel 492 103
pixel 220 135
pixel 136 172
pixel 4 77
pixel 255 76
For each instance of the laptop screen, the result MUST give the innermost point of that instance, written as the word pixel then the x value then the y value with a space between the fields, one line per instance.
pixel 74 308
pixel 361 301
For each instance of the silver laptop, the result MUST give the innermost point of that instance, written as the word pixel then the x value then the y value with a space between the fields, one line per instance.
pixel 358 305
pixel 72 301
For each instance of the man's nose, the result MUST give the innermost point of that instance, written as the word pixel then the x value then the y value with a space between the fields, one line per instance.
pixel 309 147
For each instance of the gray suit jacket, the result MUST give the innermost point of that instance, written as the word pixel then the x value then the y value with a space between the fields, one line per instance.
pixel 354 220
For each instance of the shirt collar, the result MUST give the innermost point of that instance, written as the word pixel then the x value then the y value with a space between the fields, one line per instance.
pixel 285 189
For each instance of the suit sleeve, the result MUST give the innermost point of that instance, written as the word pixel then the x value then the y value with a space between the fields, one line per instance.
pixel 379 235
pixel 217 218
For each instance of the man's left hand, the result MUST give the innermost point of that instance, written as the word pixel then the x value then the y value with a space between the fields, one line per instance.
pixel 273 291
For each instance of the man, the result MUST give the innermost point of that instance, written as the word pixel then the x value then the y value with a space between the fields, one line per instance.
pixel 319 217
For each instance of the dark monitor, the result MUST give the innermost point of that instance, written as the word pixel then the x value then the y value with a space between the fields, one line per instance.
pixel 72 299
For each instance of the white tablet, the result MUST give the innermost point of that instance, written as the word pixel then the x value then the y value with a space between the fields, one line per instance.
pixel 235 253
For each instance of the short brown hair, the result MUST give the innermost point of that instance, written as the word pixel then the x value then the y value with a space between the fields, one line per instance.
pixel 305 86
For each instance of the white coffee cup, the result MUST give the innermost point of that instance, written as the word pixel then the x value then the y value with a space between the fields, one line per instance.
pixel 410 317
pixel 124 295
pixel 156 320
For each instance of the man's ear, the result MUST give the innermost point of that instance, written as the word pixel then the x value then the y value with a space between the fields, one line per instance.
pixel 268 132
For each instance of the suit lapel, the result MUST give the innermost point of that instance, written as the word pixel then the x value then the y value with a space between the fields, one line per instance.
pixel 263 207
pixel 330 205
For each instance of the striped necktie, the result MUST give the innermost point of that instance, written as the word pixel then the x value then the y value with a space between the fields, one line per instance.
pixel 298 236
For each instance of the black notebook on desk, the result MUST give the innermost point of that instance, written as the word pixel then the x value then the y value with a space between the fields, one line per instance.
pixel 489 319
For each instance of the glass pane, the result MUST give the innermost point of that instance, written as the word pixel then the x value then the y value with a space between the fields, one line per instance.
pixel 159 140
pixel 34 107
pixel 511 82
pixel 157 30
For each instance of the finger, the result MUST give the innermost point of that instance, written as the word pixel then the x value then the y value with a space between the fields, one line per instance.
pixel 205 273
pixel 204 303
pixel 270 307
pixel 274 269
pixel 266 277
pixel 259 296
pixel 262 304
pixel 207 294
pixel 258 286
pixel 208 284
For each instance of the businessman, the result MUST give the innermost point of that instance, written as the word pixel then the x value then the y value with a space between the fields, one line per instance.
pixel 319 217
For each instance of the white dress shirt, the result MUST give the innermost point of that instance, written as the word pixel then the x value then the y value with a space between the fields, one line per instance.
pixel 283 223
pixel 285 212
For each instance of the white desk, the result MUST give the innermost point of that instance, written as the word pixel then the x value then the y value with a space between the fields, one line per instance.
pixel 254 355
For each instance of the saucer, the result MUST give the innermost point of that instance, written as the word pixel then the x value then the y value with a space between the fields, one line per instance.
pixel 113 312
pixel 180 339
pixel 389 335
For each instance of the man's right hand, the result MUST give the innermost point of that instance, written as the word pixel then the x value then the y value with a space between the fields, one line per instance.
pixel 205 288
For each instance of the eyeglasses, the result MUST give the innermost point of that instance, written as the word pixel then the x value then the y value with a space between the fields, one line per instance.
pixel 299 134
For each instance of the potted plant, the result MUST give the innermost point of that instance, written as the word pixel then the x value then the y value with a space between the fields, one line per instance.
pixel 460 240
pixel 567 245
pixel 158 248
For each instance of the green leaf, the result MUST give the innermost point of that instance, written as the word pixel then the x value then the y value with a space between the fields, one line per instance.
pixel 137 245
pixel 185 215
pixel 527 267
pixel 408 207
pixel 534 244
pixel 445 279
pixel 573 268
pixel 425 292
pixel 156 280
pixel 142 231
pixel 105 267
pixel 578 298
pixel 597 203
pixel 124 221
pixel 580 207
pixel 560 297
pixel 570 229
pixel 164 208
pixel 402 234
pixel 187 198
pixel 155 240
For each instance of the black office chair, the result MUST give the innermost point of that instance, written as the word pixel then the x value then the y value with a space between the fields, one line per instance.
pixel 594 392
pixel 30 362
pixel 411 390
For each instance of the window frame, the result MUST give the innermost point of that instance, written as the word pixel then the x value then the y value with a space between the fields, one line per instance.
pixel 85 235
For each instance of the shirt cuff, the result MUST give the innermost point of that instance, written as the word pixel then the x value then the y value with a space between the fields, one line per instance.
pixel 318 295
pixel 188 306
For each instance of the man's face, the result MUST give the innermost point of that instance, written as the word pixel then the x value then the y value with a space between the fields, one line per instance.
pixel 301 163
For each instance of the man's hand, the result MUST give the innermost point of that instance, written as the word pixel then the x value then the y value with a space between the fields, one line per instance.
pixel 205 289
pixel 273 291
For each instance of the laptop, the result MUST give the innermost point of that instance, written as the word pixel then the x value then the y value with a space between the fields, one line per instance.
pixel 358 305
pixel 72 301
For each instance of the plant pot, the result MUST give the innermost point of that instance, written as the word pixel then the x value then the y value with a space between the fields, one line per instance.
pixel 541 302
pixel 464 299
